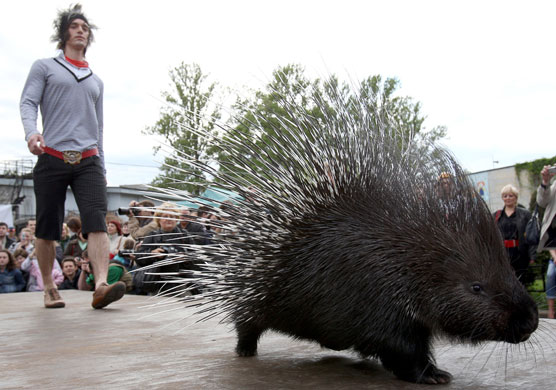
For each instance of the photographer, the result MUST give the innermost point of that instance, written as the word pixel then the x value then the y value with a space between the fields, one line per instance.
pixel 546 197
pixel 163 244
pixel 141 221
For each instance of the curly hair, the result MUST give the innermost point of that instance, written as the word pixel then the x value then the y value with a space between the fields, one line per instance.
pixel 63 22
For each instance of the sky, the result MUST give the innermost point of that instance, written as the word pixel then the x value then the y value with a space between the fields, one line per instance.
pixel 484 69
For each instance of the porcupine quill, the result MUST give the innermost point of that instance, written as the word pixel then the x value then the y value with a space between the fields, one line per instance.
pixel 343 229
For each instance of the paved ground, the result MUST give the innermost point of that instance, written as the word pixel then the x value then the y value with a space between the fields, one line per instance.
pixel 130 346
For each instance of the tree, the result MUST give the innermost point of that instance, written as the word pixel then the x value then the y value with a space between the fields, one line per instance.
pixel 186 122
pixel 289 87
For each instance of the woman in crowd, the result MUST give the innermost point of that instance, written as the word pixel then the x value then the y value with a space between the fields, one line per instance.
pixel 35 282
pixel 125 229
pixel 76 246
pixel 19 256
pixel 161 245
pixel 512 221
pixel 115 237
pixel 65 238
pixel 546 198
pixel 74 227
pixel 11 279
pixel 25 237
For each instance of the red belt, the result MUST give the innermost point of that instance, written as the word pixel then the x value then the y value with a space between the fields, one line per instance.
pixel 71 157
pixel 511 243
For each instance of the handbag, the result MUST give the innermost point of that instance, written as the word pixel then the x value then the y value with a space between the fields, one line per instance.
pixel 533 229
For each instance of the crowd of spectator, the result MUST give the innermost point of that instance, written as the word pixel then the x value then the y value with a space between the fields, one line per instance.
pixel 148 250
pixel 150 236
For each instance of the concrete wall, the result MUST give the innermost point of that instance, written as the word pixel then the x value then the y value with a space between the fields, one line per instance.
pixel 117 197
pixel 490 183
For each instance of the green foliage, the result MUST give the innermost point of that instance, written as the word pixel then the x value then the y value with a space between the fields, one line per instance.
pixel 189 118
pixel 534 168
pixel 290 86
pixel 186 122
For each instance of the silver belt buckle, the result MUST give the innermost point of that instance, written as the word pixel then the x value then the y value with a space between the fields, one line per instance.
pixel 72 157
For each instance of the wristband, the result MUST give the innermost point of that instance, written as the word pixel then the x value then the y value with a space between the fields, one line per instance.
pixel 543 186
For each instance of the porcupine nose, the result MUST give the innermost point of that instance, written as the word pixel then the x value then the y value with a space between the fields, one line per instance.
pixel 523 322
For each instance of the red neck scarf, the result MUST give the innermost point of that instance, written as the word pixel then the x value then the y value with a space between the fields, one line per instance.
pixel 79 64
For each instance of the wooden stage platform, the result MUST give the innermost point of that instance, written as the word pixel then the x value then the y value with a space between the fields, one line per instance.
pixel 129 345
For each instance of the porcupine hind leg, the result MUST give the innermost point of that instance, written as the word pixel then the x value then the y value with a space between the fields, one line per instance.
pixel 248 335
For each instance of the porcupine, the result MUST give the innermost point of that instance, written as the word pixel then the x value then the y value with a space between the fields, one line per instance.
pixel 343 236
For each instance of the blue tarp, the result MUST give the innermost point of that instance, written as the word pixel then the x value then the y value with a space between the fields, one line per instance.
pixel 211 197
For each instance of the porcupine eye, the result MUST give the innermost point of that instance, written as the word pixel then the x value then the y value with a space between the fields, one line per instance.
pixel 476 288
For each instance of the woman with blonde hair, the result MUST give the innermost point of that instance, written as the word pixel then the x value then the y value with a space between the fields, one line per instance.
pixel 511 221
pixel 166 246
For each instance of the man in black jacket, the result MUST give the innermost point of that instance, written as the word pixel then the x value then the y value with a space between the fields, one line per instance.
pixel 5 241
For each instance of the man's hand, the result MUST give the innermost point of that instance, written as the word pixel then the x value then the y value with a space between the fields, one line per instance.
pixel 35 144
pixel 545 175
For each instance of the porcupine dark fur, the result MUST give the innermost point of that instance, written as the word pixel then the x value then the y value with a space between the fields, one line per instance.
pixel 344 237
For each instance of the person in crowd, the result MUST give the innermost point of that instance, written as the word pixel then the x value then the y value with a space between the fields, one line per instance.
pixel 115 237
pixel 24 241
pixel 20 255
pixel 117 273
pixel 76 246
pixel 74 226
pixel 196 230
pixel 511 221
pixel 125 229
pixel 5 240
pixel 11 279
pixel 168 241
pixel 141 222
pixel 71 274
pixel 32 226
pixel 35 282
pixel 70 151
pixel 125 255
pixel 65 237
pixel 546 198
pixel 11 233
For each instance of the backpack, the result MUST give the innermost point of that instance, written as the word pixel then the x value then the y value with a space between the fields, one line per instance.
pixel 126 276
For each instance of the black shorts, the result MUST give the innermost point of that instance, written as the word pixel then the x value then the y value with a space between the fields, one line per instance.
pixel 51 178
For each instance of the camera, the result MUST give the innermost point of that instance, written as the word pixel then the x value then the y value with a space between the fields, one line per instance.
pixel 552 169
pixel 131 210
pixel 126 253
pixel 171 249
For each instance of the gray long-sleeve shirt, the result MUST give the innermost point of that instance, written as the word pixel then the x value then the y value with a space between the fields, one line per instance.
pixel 70 99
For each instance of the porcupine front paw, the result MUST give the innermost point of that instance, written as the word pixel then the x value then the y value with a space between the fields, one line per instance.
pixel 431 375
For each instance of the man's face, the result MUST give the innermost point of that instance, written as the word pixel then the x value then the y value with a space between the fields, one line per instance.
pixel 32 224
pixel 3 231
pixel 69 268
pixel 146 213
pixel 78 34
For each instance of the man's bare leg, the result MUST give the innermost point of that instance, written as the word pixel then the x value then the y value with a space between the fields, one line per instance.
pixel 46 255
pixel 99 251
pixel 98 248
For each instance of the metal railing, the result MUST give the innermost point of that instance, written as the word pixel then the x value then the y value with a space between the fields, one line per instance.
pixel 16 168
